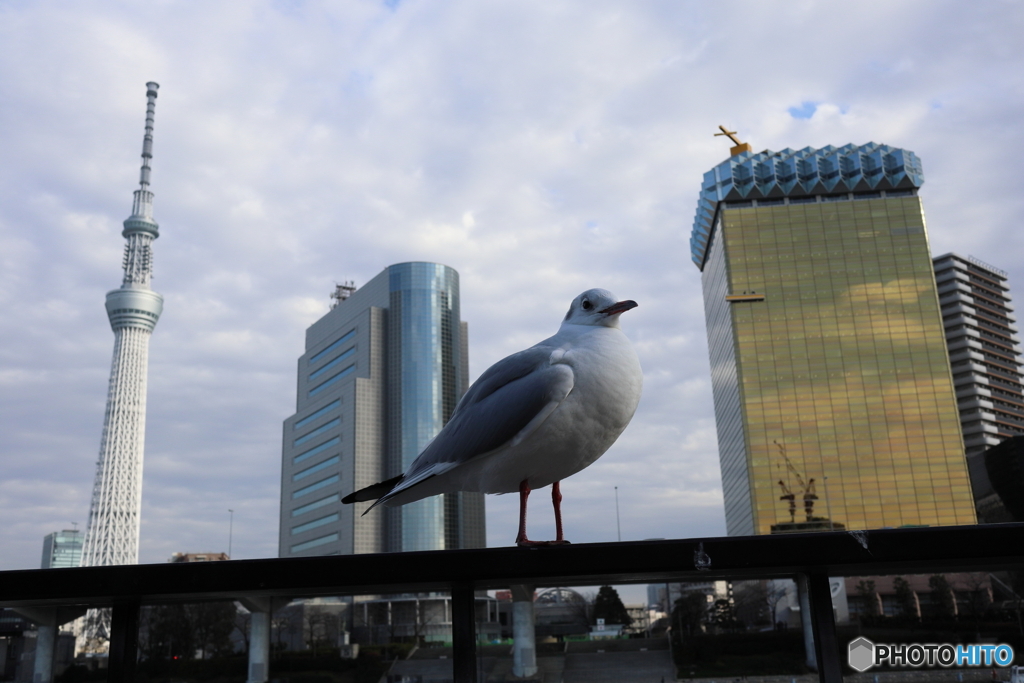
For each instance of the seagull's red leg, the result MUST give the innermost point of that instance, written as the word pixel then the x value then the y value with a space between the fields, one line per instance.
pixel 524 493
pixel 556 501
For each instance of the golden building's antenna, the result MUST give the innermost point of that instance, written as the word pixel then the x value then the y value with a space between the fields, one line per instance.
pixel 738 146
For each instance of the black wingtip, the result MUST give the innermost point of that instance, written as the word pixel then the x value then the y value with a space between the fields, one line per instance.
pixel 372 492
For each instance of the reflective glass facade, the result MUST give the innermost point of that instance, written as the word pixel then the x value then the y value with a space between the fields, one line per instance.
pixel 62 549
pixel 382 374
pixel 833 394
pixel 424 377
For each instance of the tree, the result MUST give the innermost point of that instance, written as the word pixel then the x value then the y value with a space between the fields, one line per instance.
pixel 168 633
pixel 321 627
pixel 284 623
pixel 579 606
pixel 905 597
pixel 1017 589
pixel 608 606
pixel 184 631
pixel 868 598
pixel 212 624
pixel 978 598
pixel 723 616
pixel 750 602
pixel 690 613
pixel 243 624
pixel 943 601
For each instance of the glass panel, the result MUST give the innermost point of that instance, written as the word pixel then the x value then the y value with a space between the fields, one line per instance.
pixel 320 413
pixel 316 487
pixel 333 363
pixel 580 633
pixel 344 373
pixel 347 337
pixel 972 617
pixel 835 409
pixel 317 449
pixel 317 432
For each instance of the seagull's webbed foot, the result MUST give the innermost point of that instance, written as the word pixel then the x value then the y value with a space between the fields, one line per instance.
pixel 556 499
pixel 527 543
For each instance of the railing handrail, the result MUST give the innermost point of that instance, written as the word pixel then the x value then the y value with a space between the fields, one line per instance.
pixel 811 557
pixel 838 553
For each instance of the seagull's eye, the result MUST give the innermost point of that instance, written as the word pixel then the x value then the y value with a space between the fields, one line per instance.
pixel 587 305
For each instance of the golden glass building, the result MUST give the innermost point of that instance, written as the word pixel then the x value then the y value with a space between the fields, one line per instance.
pixel 833 395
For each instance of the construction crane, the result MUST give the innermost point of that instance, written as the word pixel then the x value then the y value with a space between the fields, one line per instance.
pixel 807 488
pixel 791 497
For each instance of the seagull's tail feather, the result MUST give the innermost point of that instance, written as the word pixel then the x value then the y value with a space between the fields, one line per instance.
pixel 374 491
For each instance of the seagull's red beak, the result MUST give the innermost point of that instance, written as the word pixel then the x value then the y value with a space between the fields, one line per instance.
pixel 620 307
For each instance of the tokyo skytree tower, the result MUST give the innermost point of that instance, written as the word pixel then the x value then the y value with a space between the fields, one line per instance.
pixel 112 536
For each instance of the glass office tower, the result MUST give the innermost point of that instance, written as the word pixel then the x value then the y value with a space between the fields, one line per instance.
pixel 62 549
pixel 382 373
pixel 833 395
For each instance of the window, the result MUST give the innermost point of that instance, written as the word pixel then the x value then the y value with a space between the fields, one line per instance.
pixel 318 431
pixel 309 507
pixel 320 466
pixel 318 449
pixel 318 485
pixel 344 373
pixel 323 540
pixel 314 524
pixel 334 363
pixel 320 413
pixel 348 336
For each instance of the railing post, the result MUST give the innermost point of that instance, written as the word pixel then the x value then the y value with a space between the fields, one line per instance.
pixel 826 647
pixel 464 632
pixel 124 642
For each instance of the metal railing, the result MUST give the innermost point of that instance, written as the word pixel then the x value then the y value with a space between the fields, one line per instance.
pixel 461 572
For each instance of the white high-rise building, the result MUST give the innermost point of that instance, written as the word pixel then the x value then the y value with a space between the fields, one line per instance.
pixel 112 536
pixel 984 350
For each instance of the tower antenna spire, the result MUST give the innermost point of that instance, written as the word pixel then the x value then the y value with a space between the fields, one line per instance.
pixel 112 533
pixel 142 207
pixel 147 140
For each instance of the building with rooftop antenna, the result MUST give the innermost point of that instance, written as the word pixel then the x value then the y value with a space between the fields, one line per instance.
pixel 62 549
pixel 833 396
pixel 112 534
pixel 381 375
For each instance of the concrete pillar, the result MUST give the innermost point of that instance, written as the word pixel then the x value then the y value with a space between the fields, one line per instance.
pixel 259 638
pixel 48 621
pixel 259 647
pixel 524 647
pixel 46 647
pixel 803 595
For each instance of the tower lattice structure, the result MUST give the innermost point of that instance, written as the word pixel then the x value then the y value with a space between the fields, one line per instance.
pixel 112 536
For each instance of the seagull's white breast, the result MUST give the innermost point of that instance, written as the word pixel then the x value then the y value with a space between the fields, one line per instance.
pixel 607 382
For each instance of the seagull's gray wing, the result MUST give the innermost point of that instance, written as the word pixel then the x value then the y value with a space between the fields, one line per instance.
pixel 503 402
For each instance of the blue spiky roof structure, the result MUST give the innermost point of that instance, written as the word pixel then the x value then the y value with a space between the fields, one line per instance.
pixel 800 173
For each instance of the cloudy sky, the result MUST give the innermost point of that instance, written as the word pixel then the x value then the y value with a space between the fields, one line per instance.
pixel 538 147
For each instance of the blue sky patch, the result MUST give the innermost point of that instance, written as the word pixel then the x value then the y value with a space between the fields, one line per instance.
pixel 804 111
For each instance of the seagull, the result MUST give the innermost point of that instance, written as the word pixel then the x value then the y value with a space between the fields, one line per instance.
pixel 533 418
